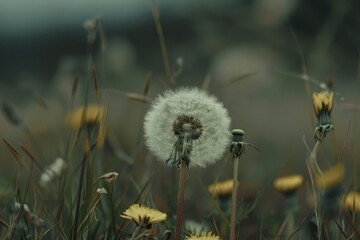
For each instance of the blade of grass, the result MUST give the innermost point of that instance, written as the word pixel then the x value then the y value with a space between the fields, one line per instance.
pixel 164 53
pixel 32 157
pixel 13 151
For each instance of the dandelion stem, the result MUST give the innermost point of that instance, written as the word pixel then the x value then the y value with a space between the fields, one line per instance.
pixel 233 199
pixel 316 210
pixel 180 201
pixel 313 160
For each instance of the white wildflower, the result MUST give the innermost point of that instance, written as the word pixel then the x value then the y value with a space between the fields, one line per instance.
pixel 52 171
pixel 187 123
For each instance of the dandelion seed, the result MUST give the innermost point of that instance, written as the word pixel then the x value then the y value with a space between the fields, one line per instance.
pixel 221 189
pixel 203 236
pixel 187 124
pixel 323 103
pixel 143 216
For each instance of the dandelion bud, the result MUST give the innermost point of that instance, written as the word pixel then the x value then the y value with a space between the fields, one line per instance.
pixel 323 103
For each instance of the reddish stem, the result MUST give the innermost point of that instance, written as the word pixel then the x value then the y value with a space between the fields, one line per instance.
pixel 180 201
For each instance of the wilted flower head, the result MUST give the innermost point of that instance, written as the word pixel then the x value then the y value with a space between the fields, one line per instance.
pixel 352 201
pixel 288 185
pixel 203 236
pixel 221 189
pixel 330 177
pixel 323 103
pixel 143 216
pixel 187 125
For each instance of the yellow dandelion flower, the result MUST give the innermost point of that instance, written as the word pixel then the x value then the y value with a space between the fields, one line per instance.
pixel 143 216
pixel 352 201
pixel 91 115
pixel 323 101
pixel 221 189
pixel 288 184
pixel 203 236
pixel 330 177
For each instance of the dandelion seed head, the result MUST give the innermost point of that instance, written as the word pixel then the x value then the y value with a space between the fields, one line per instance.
pixel 191 113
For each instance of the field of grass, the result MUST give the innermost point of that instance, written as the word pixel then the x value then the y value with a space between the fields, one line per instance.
pixel 124 145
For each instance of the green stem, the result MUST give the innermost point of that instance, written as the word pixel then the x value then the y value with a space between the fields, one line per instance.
pixel 180 200
pixel 233 199
pixel 291 223
pixel 313 160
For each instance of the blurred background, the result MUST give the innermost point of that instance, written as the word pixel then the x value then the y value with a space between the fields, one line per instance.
pixel 254 52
